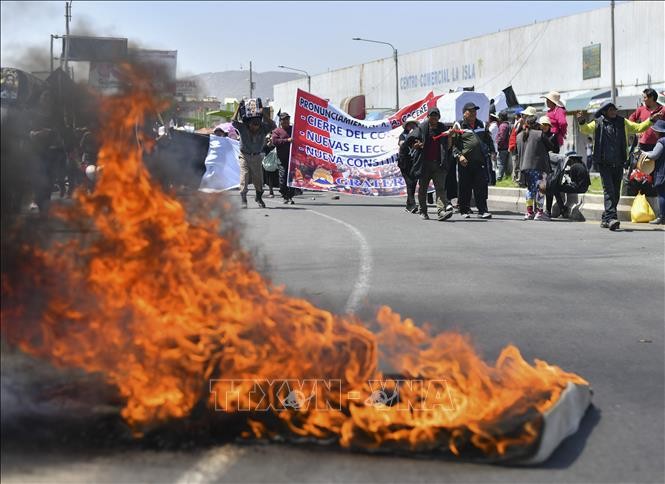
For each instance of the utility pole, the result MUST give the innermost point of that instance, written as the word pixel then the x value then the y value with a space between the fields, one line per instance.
pixel 396 81
pixel 251 83
pixel 614 82
pixel 52 37
pixel 68 17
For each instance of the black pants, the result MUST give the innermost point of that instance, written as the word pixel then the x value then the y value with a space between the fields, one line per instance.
pixel 472 177
pixel 451 181
pixel 410 189
pixel 549 198
pixel 286 191
pixel 610 176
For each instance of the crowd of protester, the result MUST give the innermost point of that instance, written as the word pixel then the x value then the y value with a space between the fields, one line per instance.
pixel 460 160
pixel 467 157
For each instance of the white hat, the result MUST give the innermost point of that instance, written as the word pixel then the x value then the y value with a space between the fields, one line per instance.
pixel 529 111
pixel 544 120
pixel 553 96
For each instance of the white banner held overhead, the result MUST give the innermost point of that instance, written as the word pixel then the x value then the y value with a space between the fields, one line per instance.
pixel 222 166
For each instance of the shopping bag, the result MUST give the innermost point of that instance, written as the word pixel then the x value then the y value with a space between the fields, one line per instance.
pixel 271 162
pixel 641 211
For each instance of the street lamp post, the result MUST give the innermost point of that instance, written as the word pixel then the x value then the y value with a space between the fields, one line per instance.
pixel 396 67
pixel 309 79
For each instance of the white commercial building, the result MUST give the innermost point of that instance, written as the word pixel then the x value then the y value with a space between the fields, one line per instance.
pixel 570 54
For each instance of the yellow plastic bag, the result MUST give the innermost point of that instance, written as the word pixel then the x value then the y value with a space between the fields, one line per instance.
pixel 641 211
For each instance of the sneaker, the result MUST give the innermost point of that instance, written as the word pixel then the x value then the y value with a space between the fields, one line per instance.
pixel 485 215
pixel 291 201
pixel 445 215
pixel 529 216
pixel 415 209
pixel 614 225
pixel 424 216
pixel 411 208
pixel 657 221
pixel 285 201
pixel 243 201
pixel 449 207
pixel 466 215
pixel 542 216
pixel 604 225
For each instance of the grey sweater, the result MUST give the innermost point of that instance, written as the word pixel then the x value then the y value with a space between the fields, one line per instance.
pixel 533 154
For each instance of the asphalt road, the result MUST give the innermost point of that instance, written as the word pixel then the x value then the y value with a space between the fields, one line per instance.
pixel 573 294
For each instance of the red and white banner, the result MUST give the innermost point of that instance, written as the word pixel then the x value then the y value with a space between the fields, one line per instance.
pixel 331 151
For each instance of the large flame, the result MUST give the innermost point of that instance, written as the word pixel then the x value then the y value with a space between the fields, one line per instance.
pixel 174 314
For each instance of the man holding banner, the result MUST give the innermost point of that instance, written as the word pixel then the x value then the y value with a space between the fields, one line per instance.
pixel 434 166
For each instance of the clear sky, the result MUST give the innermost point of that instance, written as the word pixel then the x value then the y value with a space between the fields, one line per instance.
pixel 313 36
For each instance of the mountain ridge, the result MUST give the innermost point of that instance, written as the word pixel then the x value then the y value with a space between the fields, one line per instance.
pixel 235 83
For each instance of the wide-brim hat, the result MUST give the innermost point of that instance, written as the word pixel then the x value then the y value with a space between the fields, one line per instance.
pixel 553 96
pixel 644 164
pixel 529 111
pixel 659 126
pixel 544 120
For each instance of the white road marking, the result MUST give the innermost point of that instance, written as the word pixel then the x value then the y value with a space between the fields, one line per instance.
pixel 361 287
pixel 214 463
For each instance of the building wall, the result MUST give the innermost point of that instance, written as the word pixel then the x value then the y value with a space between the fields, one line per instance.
pixel 535 59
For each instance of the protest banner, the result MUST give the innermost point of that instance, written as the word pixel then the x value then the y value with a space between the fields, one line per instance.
pixel 222 166
pixel 331 151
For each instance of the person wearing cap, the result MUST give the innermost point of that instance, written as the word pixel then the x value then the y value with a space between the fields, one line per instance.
pixel 658 155
pixel 434 156
pixel 253 132
pixel 282 139
pixel 610 153
pixel 405 164
pixel 557 114
pixel 471 147
pixel 650 105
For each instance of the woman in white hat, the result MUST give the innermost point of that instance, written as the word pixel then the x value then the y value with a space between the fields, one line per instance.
pixel 557 114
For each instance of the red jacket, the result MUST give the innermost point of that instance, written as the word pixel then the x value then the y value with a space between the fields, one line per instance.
pixel 649 137
pixel 512 141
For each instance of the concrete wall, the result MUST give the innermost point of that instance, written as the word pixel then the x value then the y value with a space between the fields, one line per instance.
pixel 535 58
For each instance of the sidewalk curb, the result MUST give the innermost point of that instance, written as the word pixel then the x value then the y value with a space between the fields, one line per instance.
pixel 591 206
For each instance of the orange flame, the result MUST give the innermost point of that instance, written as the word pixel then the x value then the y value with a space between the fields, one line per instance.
pixel 162 305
